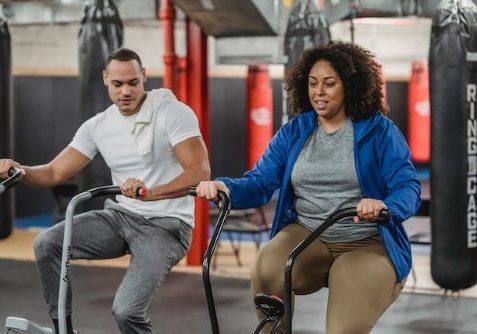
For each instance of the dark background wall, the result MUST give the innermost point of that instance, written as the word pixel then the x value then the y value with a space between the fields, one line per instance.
pixel 47 116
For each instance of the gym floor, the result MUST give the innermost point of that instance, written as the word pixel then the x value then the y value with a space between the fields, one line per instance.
pixel 178 308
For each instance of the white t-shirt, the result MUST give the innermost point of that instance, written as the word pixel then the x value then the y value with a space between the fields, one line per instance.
pixel 114 137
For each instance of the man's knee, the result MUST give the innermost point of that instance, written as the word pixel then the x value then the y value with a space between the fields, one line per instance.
pixel 121 314
pixel 127 318
pixel 45 245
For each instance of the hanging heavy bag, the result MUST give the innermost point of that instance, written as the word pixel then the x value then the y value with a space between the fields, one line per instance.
pixel 6 126
pixel 418 113
pixel 306 28
pixel 453 91
pixel 101 31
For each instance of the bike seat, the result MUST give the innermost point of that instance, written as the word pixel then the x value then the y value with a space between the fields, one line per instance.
pixel 271 305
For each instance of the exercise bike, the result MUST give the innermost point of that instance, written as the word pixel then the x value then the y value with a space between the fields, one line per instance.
pixel 273 307
pixel 384 217
pixel 14 324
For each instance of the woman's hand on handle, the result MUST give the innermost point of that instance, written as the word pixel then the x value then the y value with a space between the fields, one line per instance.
pixel 369 209
pixel 208 189
pixel 6 165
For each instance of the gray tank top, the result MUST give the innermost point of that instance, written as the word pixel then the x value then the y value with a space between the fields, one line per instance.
pixel 324 180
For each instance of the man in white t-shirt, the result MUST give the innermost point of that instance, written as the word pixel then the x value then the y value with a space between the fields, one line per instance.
pixel 148 140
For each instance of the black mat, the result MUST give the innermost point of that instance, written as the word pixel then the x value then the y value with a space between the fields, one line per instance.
pixel 180 305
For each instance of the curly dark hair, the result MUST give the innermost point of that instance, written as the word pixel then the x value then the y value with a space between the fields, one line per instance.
pixel 359 72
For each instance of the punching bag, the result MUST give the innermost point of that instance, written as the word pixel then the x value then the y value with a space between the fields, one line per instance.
pixel 453 91
pixel 259 112
pixel 6 124
pixel 419 113
pixel 101 31
pixel 306 28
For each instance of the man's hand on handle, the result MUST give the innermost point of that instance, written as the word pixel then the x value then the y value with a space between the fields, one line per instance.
pixel 6 165
pixel 135 188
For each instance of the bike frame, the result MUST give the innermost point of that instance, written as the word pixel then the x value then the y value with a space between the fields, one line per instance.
pixel 224 209
pixel 333 218
pixel 66 255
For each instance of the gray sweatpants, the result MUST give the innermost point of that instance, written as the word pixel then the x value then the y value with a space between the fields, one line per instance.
pixel 156 245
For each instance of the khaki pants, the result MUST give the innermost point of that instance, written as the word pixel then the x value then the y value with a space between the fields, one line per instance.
pixel 361 279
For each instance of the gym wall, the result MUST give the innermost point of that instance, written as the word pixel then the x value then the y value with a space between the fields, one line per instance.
pixel 46 89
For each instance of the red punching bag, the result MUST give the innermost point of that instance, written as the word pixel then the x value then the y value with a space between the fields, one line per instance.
pixel 419 115
pixel 259 112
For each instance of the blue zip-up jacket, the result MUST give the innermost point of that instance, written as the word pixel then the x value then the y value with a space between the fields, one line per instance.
pixel 383 166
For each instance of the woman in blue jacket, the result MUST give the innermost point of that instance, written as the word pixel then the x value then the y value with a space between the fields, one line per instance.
pixel 340 151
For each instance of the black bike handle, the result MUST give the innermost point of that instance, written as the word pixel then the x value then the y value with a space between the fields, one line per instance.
pixel 384 215
pixel 113 190
pixel 193 191
pixel 223 201
pixel 15 175
pixel 224 207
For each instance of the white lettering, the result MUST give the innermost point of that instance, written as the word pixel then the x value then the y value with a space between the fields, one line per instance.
pixel 471 145
pixel 471 185
pixel 472 239
pixel 471 205
pixel 472 167
pixel 472 159
pixel 471 220
pixel 471 92
pixel 471 128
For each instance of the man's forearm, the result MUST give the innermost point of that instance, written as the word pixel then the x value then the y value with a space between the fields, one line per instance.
pixel 66 164
pixel 40 176
pixel 179 186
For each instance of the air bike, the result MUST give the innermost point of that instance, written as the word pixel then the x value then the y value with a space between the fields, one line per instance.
pixel 21 325
pixel 272 307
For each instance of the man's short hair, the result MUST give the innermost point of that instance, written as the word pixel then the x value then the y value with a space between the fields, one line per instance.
pixel 123 54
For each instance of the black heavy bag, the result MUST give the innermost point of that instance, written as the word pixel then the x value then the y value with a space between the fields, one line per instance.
pixel 6 124
pixel 101 32
pixel 453 91
pixel 307 28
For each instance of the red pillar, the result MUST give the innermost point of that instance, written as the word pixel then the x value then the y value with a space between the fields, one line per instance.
pixel 167 15
pixel 181 84
pixel 198 100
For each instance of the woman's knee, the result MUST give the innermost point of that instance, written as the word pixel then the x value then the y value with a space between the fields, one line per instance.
pixel 267 272
pixel 349 327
